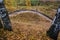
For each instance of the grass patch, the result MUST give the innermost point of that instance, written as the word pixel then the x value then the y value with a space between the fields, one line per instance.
pixel 27 30
pixel 29 26
pixel 47 8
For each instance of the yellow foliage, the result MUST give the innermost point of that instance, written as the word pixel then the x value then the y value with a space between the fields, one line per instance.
pixel 11 8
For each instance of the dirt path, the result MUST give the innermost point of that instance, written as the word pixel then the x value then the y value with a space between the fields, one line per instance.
pixel 31 11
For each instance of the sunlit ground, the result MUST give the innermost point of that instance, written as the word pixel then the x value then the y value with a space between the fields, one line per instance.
pixel 43 9
pixel 28 26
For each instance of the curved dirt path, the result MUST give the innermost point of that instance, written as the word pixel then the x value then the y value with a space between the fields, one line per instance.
pixel 31 11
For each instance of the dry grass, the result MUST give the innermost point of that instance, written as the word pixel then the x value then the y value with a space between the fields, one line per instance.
pixel 47 8
pixel 43 9
pixel 27 27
